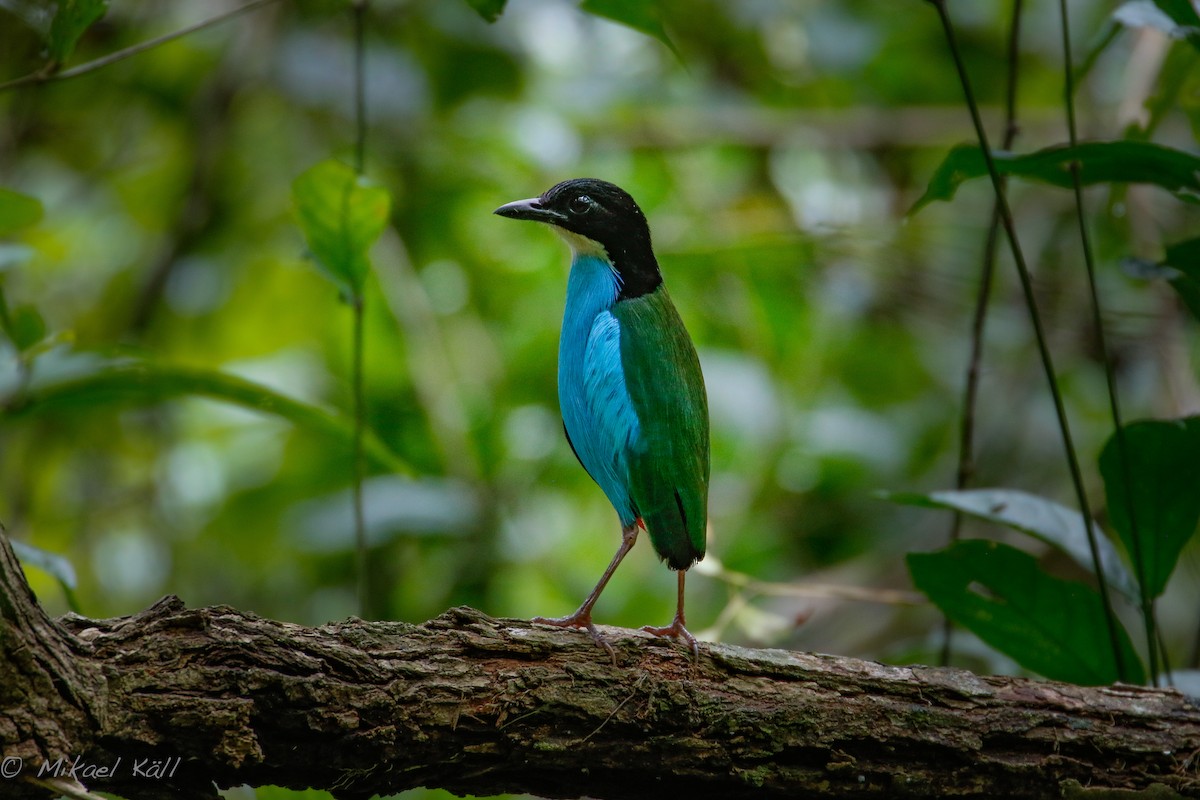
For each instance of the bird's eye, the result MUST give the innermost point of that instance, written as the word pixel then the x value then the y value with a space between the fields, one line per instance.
pixel 581 204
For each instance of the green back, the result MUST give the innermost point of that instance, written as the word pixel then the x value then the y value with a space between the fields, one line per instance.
pixel 669 470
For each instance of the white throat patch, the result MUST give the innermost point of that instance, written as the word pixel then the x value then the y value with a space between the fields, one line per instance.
pixel 581 245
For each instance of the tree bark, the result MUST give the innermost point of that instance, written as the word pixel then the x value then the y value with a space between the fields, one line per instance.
pixel 173 702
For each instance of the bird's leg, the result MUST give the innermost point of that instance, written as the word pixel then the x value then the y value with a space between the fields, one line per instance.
pixel 582 618
pixel 676 628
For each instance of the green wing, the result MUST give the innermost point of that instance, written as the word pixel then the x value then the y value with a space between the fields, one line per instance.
pixel 669 464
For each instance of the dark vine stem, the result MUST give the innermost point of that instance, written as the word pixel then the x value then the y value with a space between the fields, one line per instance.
pixel 359 8
pixel 360 527
pixel 966 447
pixel 1147 602
pixel 360 91
pixel 1018 255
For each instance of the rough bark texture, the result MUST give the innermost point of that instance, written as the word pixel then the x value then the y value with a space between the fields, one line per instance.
pixel 479 705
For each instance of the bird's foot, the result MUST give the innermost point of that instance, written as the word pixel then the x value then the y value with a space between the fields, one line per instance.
pixel 676 631
pixel 580 619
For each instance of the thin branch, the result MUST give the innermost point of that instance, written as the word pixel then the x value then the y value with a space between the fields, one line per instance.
pixel 360 525
pixel 360 410
pixel 360 82
pixel 1039 332
pixel 1193 660
pixel 46 76
pixel 966 452
pixel 1089 261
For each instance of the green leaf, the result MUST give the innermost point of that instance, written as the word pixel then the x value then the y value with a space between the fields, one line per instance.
pixel 71 20
pixel 490 10
pixel 145 382
pixel 1038 517
pixel 1100 162
pixel 1053 627
pixel 1182 12
pixel 644 16
pixel 17 211
pixel 341 214
pixel 1164 470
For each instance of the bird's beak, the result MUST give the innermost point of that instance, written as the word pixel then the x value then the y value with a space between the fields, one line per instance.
pixel 531 209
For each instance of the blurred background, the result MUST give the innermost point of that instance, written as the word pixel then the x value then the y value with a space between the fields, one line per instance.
pixel 776 157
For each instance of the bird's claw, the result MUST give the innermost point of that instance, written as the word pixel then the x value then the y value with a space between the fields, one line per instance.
pixel 583 621
pixel 676 631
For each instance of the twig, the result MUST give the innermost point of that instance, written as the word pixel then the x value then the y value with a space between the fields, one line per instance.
pixel 360 525
pixel 966 452
pixel 1039 332
pixel 1147 602
pixel 628 697
pixel 360 92
pixel 360 142
pixel 44 76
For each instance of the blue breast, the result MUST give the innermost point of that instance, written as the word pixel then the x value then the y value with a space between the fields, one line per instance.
pixel 596 408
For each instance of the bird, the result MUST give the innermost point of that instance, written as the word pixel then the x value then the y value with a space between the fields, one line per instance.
pixel 630 387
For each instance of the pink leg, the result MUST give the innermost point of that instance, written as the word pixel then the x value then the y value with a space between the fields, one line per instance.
pixel 676 628
pixel 582 618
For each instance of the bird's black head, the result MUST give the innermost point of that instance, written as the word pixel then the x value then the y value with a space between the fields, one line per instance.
pixel 595 216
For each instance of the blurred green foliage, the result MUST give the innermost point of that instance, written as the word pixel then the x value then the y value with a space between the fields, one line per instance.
pixel 775 156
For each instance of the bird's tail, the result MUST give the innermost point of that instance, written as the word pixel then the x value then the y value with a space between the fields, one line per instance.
pixel 677 529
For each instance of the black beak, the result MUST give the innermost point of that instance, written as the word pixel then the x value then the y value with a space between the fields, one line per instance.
pixel 531 209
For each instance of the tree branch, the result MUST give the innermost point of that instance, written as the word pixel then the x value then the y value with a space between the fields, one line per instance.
pixel 169 702
pixel 51 72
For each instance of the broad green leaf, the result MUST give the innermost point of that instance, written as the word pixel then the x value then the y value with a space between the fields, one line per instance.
pixel 1038 517
pixel 1164 470
pixel 1176 18
pixel 70 21
pixel 144 382
pixel 490 10
pixel 644 16
pixel 1053 627
pixel 341 214
pixel 1099 162
pixel 1182 12
pixel 17 211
